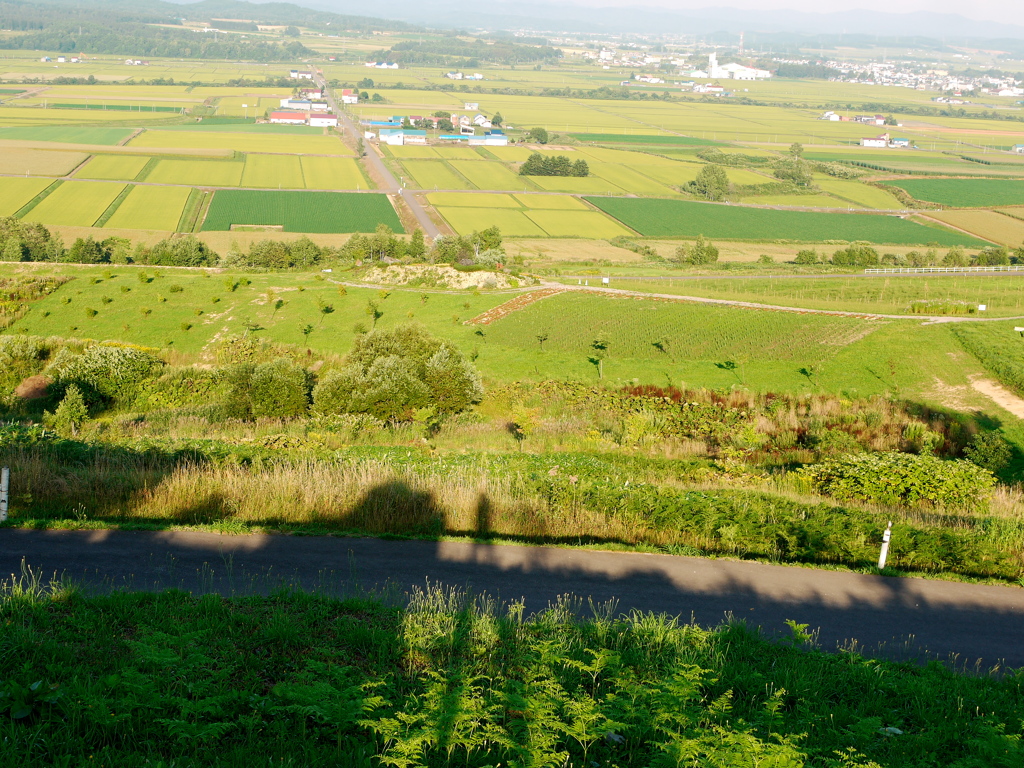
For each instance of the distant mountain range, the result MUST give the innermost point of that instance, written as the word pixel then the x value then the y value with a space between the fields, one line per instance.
pixel 566 17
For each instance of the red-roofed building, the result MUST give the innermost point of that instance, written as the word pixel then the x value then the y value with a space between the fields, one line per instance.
pixel 288 118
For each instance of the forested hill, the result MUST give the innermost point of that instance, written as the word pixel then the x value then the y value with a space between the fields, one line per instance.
pixel 127 27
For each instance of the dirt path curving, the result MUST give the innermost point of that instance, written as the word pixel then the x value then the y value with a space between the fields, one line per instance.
pixel 1000 395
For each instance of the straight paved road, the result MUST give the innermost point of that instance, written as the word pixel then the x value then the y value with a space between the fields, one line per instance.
pixel 905 618
pixel 391 185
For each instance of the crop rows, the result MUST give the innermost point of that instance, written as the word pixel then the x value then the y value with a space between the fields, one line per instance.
pixel 314 212
pixel 964 193
pixel 676 218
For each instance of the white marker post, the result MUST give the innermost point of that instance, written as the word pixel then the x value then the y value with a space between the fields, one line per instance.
pixel 5 487
pixel 884 554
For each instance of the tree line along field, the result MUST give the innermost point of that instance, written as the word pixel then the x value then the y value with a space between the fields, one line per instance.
pixel 678 218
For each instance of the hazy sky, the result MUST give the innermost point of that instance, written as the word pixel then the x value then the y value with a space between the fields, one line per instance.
pixel 1010 11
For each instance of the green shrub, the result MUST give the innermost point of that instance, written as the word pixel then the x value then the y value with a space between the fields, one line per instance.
pixel 104 373
pixel 70 414
pixel 278 389
pixel 902 479
pixel 391 374
pixel 989 450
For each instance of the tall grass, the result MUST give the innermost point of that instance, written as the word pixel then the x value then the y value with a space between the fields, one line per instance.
pixel 690 506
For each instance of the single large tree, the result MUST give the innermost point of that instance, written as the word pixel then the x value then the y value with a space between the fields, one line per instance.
pixel 711 183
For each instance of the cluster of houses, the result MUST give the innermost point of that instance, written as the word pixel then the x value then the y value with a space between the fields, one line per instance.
pixel 609 58
pixel 917 76
pixel 314 120
pixel 296 74
pixel 399 130
pixel 885 141
pixel 381 65
pixel 461 76
pixel 66 60
pixel 835 117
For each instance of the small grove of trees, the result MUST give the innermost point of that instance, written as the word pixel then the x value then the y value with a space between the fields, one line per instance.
pixel 711 183
pixel 483 247
pixel 701 252
pixel 553 165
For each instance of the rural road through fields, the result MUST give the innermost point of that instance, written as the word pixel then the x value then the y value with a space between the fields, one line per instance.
pixel 391 187
pixel 901 618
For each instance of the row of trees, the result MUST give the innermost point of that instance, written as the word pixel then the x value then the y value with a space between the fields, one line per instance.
pixel 553 165
pixel 25 241
pixel 863 255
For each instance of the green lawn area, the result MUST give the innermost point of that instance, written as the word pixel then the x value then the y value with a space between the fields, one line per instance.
pixel 68 134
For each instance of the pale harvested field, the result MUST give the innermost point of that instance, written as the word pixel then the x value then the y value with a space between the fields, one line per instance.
pixel 104 149
pixel 38 162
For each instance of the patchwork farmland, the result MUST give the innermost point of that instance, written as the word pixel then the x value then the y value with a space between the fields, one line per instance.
pixel 315 212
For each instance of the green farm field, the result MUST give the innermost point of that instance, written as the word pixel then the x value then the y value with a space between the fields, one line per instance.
pixel 149 207
pixel 15 193
pixel 434 174
pixel 512 223
pixel 67 134
pixel 676 218
pixel 76 203
pixel 631 180
pixel 490 175
pixel 202 173
pixel 333 173
pixel 552 202
pixel 591 224
pixel 883 294
pixel 39 162
pixel 473 200
pixel 964 193
pixel 315 212
pixel 273 172
pixel 113 167
pixel 243 142
pixel 589 185
pixel 800 201
pixel 859 194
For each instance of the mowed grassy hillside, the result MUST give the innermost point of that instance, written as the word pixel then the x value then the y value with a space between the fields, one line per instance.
pixel 652 341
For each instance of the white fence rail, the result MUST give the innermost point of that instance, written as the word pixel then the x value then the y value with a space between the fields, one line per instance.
pixel 919 270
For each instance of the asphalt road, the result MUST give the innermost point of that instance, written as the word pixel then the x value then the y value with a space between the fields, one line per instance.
pixel 900 618
pixel 391 185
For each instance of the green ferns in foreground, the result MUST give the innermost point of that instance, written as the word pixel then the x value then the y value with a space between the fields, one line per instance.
pixel 137 679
